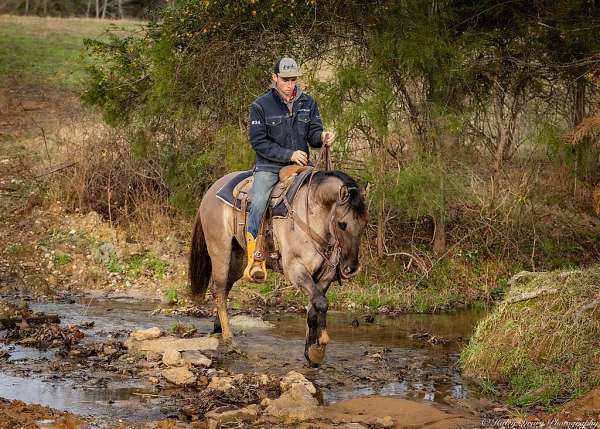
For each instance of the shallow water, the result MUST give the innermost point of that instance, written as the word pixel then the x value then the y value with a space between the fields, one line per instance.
pixel 373 358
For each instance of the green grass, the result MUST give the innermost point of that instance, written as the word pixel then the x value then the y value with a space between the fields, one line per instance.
pixel 47 50
pixel 114 265
pixel 545 348
pixel 172 296
pixel 61 259
pixel 147 263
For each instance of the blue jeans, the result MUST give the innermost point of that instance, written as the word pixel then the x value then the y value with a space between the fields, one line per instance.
pixel 259 195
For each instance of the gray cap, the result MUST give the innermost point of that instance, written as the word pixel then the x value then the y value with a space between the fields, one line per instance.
pixel 287 67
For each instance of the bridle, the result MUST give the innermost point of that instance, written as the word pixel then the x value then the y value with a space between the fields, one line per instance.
pixel 331 250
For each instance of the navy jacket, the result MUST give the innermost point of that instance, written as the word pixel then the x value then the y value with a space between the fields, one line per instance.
pixel 275 134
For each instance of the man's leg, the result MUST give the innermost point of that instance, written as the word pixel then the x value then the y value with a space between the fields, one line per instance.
pixel 261 189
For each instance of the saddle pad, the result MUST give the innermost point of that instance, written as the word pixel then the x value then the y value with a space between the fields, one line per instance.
pixel 225 194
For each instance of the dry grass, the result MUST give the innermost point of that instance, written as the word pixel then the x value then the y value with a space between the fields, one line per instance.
pixel 542 340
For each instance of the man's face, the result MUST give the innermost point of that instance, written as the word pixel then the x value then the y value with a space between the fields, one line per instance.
pixel 285 84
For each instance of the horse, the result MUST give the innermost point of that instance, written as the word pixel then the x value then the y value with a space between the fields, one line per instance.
pixel 318 243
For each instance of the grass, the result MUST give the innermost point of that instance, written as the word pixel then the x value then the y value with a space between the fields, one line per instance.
pixel 147 263
pixel 544 349
pixel 61 259
pixel 48 50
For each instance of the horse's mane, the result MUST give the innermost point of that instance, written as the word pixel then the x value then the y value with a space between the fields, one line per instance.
pixel 356 200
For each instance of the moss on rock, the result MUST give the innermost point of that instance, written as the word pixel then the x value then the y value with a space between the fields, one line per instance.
pixel 543 340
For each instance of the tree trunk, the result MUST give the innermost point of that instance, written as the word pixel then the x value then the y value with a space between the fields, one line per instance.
pixel 89 7
pixel 104 9
pixel 26 7
pixel 380 154
pixel 120 4
pixel 578 102
pixel 45 6
pixel 439 220
pixel 97 9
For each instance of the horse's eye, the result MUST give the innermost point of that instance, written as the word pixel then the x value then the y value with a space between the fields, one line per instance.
pixel 342 225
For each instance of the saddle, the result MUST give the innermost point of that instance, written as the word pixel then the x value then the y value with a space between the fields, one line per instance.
pixel 287 175
pixel 236 193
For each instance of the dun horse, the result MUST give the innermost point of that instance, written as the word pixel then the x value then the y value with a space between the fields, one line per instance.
pixel 318 242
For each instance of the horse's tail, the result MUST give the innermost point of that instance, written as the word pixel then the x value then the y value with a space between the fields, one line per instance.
pixel 200 267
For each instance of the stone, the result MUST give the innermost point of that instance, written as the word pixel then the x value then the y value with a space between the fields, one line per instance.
pixel 179 376
pixel 248 322
pixel 221 383
pixel 263 379
pixel 145 334
pixel 248 414
pixel 195 358
pixel 103 253
pixel 295 405
pixel 292 378
pixel 385 422
pixel 172 358
pixel 161 345
pixel 153 357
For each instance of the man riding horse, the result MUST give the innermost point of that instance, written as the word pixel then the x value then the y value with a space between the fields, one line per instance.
pixel 283 123
pixel 316 239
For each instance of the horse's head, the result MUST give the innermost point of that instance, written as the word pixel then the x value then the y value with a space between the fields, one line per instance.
pixel 347 216
pixel 348 223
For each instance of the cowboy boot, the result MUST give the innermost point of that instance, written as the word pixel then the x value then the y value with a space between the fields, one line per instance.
pixel 256 268
pixel 258 271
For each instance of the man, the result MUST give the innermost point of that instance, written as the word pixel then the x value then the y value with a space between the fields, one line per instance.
pixel 283 123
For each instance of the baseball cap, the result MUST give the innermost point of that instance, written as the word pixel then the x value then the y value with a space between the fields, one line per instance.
pixel 287 67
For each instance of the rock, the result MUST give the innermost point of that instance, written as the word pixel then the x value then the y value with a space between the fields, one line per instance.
pixel 103 253
pixel 153 380
pixel 292 378
pixel 263 379
pixel 385 422
pixel 145 334
pixel 353 426
pixel 172 358
pixel 179 376
pixel 248 322
pixel 248 414
pixel 153 357
pixel 195 358
pixel 161 345
pixel 221 383
pixel 295 405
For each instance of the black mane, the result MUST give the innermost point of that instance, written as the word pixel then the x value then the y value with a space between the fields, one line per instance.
pixel 356 200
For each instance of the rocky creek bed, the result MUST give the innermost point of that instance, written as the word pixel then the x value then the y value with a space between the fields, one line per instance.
pixel 124 360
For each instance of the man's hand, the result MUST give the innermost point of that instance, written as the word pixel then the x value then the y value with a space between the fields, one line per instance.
pixel 300 157
pixel 327 137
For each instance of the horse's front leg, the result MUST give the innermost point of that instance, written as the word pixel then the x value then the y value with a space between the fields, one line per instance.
pixel 316 316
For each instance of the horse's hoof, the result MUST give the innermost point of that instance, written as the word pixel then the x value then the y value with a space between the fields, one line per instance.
pixel 316 354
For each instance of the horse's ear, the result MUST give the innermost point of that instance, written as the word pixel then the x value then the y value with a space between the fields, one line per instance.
pixel 344 194
pixel 364 190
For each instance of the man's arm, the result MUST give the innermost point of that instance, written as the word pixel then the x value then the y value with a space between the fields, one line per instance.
pixel 315 127
pixel 266 148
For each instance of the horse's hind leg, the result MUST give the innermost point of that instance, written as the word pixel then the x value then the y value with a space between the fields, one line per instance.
pixel 236 270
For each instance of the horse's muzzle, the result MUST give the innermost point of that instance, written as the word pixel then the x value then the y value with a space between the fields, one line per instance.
pixel 349 272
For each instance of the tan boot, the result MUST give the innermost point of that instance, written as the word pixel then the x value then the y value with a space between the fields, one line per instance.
pixel 256 270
